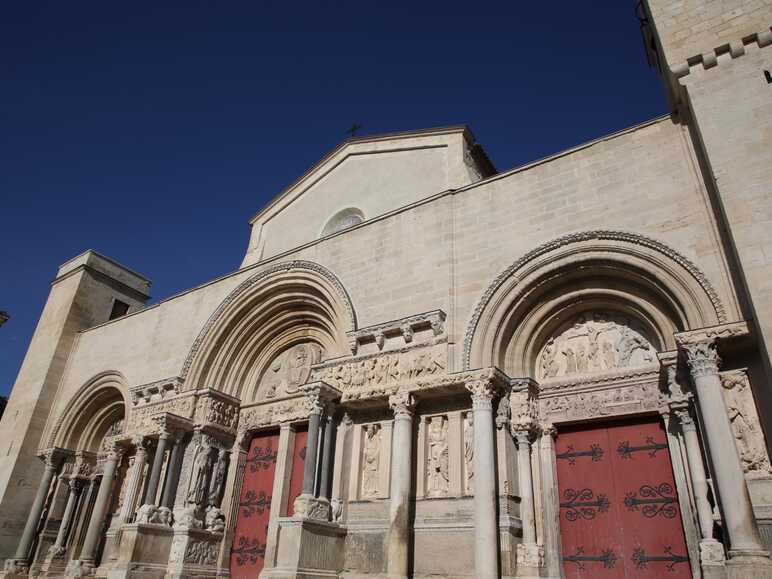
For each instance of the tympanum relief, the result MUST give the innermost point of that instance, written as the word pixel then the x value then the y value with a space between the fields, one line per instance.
pixel 749 438
pixel 597 342
pixel 371 454
pixel 288 370
pixel 437 464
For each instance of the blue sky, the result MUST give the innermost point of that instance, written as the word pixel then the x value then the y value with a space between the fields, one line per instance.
pixel 151 131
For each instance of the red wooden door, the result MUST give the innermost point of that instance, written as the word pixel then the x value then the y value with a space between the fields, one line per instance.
pixel 619 511
pixel 298 465
pixel 251 532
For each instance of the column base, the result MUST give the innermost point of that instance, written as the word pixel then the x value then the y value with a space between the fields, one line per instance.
pixel 193 553
pixel 307 549
pixel 753 564
pixel 309 507
pixel 14 568
pixel 80 568
pixel 712 553
pixel 530 558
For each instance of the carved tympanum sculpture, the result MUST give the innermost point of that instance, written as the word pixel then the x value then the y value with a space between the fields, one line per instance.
pixel 288 370
pixel 598 342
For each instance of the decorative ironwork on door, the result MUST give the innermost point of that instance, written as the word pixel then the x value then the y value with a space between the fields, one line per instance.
pixel 251 531
pixel 619 511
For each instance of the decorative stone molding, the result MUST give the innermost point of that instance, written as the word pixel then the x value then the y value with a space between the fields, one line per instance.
pixel 604 235
pixel 719 332
pixel 274 269
pixel 141 418
pixel 381 374
pixel 155 391
pixel 319 395
pixel 405 328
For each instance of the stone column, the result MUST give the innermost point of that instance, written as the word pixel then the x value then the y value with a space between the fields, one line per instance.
pixel 525 480
pixel 173 470
pixel 134 484
pixel 485 506
pixel 88 552
pixel 20 563
pixel 402 405
pixel 550 500
pixel 59 546
pixel 711 550
pixel 325 484
pixel 155 472
pixel 312 452
pixel 729 478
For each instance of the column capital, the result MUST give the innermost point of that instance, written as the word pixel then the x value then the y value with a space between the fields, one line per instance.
pixel 702 357
pixel 548 429
pixel 53 458
pixel 483 392
pixel 685 419
pixel 319 396
pixel 522 435
pixel 140 443
pixel 75 484
pixel 402 404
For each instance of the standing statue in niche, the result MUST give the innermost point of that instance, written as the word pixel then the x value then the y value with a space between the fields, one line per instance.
pixel 217 485
pixel 371 458
pixel 748 435
pixel 199 482
pixel 598 343
pixel 439 478
pixel 469 452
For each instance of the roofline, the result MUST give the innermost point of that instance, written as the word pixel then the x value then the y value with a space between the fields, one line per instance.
pixel 110 260
pixel 446 130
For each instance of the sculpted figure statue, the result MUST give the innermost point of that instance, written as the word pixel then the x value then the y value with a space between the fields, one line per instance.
pixel 469 452
pixel 200 476
pixel 438 457
pixel 218 479
pixel 371 458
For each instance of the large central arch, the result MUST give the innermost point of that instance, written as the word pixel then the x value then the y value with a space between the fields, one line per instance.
pixel 627 272
pixel 288 304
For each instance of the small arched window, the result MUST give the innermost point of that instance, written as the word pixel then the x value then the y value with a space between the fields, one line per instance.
pixel 343 220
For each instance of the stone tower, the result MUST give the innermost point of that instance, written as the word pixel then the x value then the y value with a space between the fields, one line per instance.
pixel 88 290
pixel 715 59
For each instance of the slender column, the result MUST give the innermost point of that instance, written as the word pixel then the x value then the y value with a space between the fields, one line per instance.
pixel 72 500
pixel 173 476
pixel 403 405
pixel 525 479
pixel 94 531
pixel 738 515
pixel 52 461
pixel 309 468
pixel 326 476
pixel 155 473
pixel 134 484
pixel 697 470
pixel 552 554
pixel 485 533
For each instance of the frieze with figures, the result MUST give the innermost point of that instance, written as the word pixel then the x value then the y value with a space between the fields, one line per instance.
pixel 598 403
pixel 141 418
pixel 382 374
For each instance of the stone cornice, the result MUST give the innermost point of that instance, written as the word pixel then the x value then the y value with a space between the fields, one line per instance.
pixel 720 332
pixel 404 327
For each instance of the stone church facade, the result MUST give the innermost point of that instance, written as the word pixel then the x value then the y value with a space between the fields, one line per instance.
pixel 428 368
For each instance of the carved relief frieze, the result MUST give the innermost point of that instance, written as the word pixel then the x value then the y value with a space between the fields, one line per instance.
pixel 381 375
pixel 141 420
pixel 563 405
pixel 406 328
pixel 255 416
pixel 215 410
pixel 595 342
pixel 749 437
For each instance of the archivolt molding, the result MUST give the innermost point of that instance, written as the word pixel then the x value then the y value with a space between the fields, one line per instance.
pixel 230 304
pixel 72 417
pixel 618 242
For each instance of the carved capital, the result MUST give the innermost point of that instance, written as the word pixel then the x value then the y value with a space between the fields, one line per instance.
pixel 483 392
pixel 548 429
pixel 319 396
pixel 402 404
pixel 53 458
pixel 140 444
pixel 75 485
pixel 522 436
pixel 702 357
pixel 685 419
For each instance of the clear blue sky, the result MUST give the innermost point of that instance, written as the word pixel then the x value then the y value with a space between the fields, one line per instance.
pixel 151 131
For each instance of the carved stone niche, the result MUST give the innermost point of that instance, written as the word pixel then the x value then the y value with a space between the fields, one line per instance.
pixel 288 370
pixel 748 434
pixel 595 342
